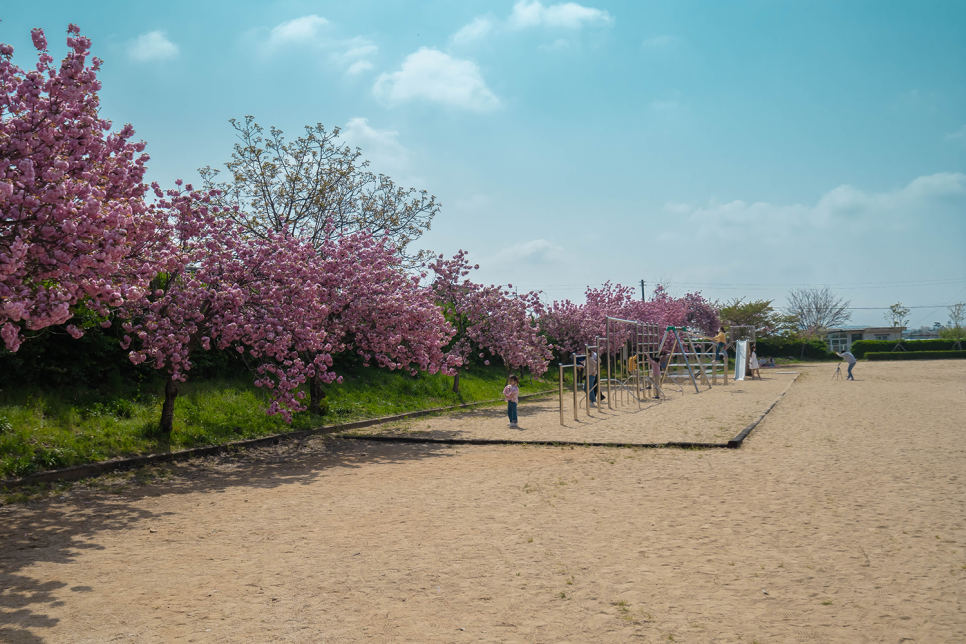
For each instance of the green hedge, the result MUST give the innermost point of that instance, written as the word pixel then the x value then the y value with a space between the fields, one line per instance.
pixel 915 355
pixel 781 348
pixel 861 347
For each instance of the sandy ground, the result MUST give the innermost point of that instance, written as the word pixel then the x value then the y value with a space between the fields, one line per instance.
pixel 715 415
pixel 841 519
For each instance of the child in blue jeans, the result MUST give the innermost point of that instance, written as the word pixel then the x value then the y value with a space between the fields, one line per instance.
pixel 511 394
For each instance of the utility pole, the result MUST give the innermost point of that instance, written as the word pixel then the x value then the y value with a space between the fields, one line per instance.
pixel 643 299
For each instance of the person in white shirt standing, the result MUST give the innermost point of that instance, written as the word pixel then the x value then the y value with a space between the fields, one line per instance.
pixel 753 365
pixel 850 359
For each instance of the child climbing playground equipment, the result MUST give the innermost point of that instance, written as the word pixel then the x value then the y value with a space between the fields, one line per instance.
pixel 626 373
pixel 579 362
pixel 690 359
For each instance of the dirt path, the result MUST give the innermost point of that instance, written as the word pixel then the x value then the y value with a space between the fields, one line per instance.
pixel 842 519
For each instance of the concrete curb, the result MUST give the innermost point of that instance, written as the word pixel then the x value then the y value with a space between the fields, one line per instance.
pixel 736 442
pixel 101 467
pixel 382 438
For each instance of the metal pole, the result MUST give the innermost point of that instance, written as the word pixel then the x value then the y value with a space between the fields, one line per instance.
pixel 575 386
pixel 560 365
pixel 623 365
pixel 587 376
pixel 686 363
pixel 610 399
pixel 638 359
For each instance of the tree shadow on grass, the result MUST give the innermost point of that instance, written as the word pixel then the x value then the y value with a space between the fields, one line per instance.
pixel 59 530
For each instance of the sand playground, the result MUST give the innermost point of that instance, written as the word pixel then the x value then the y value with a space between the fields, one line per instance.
pixel 841 519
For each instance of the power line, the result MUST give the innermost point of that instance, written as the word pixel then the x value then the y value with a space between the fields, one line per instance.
pixel 934 282
pixel 871 308
pixel 757 286
pixel 941 306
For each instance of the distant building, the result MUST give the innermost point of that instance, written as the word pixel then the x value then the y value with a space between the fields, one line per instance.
pixel 920 336
pixel 924 332
pixel 841 339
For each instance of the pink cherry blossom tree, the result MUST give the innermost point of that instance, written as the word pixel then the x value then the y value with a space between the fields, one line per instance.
pixel 70 192
pixel 378 310
pixel 507 328
pixel 489 318
pixel 218 288
pixel 572 326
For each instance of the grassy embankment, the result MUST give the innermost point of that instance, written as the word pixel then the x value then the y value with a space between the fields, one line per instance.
pixel 48 429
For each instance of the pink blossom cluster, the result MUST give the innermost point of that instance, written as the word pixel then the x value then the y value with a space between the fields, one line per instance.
pixel 286 306
pixel 489 318
pixel 70 192
pixel 379 310
pixel 572 326
pixel 216 287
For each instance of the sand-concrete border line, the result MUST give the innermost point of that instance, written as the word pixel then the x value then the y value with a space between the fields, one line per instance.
pixel 383 438
pixel 78 472
pixel 736 442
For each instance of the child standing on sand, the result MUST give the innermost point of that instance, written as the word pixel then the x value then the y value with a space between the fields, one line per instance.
pixel 511 394
pixel 753 364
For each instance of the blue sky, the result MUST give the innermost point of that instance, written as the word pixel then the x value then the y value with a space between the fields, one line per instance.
pixel 740 149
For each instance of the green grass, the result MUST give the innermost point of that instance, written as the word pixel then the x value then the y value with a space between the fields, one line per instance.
pixel 49 429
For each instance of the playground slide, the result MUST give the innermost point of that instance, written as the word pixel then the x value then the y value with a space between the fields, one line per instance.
pixel 741 354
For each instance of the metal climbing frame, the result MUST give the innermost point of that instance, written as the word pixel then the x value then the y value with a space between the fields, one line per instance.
pixel 575 367
pixel 630 345
pixel 705 349
pixel 682 346
pixel 626 351
pixel 738 333
pixel 650 366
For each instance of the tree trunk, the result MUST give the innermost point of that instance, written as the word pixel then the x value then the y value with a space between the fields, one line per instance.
pixel 456 383
pixel 167 409
pixel 316 395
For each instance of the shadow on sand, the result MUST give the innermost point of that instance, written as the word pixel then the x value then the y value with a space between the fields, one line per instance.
pixel 58 530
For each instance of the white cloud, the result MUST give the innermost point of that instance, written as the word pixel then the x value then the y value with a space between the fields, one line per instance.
pixel 557 45
pixel 847 235
pixel 358 67
pixel 351 55
pixel 381 147
pixel 430 75
pixel 354 54
pixel 678 208
pixel 535 251
pixel 841 213
pixel 300 30
pixel 472 33
pixel 359 47
pixel 659 42
pixel 566 15
pixel 153 45
pixel 958 135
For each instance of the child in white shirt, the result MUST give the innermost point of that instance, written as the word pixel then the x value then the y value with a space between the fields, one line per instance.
pixel 511 394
